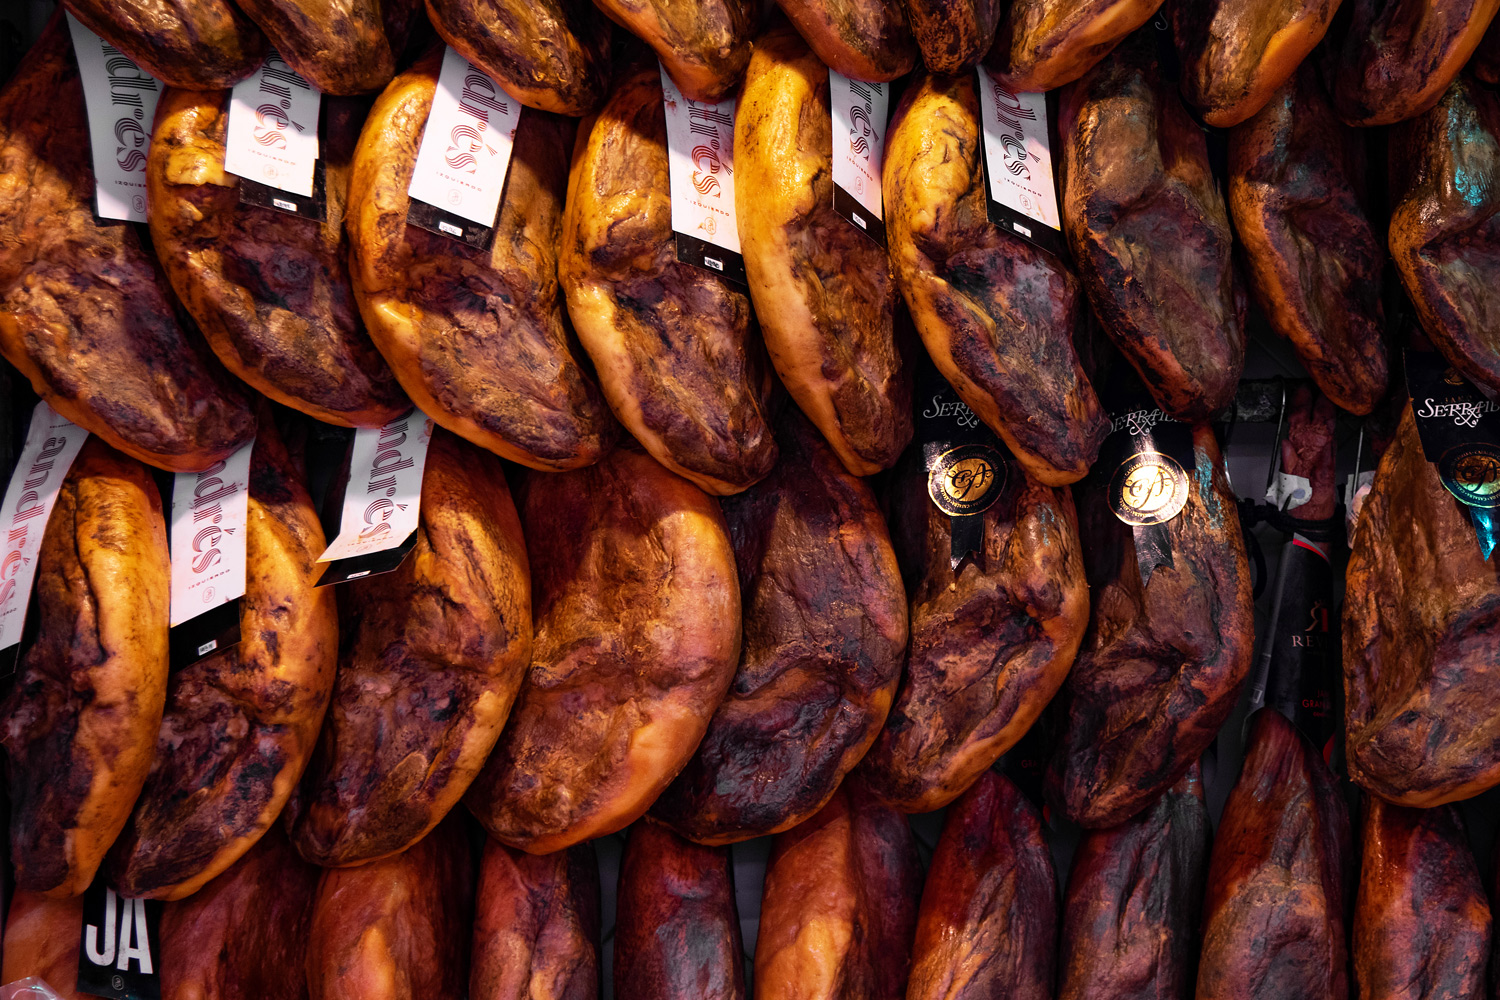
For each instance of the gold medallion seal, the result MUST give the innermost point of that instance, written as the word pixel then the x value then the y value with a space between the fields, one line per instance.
pixel 966 480
pixel 1471 472
pixel 1148 488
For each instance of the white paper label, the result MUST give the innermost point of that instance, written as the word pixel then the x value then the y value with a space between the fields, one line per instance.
pixel 700 160
pixel 272 135
pixel 120 98
pixel 210 512
pixel 383 499
pixel 1288 492
pixel 466 145
pixel 1017 151
pixel 859 115
pixel 51 445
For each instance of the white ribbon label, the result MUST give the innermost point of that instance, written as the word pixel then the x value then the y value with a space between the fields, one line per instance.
pixel 1018 160
pixel 859 116
pixel 272 135
pixel 700 164
pixel 466 146
pixel 210 513
pixel 51 445
pixel 120 99
pixel 383 500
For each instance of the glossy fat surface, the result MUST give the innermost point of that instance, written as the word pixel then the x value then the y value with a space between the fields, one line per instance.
pixel 197 44
pixel 953 35
pixel 823 290
pixel 862 39
pixel 997 315
pixel 80 723
pixel 477 338
pixel 240 724
pixel 990 644
pixel 41 940
pixel 824 638
pixel 1419 640
pixel 339 46
pixel 704 44
pixel 1043 44
pixel 675 346
pixel 637 610
pixel 431 656
pixel 86 313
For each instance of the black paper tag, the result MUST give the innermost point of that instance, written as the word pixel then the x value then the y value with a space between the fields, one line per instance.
pixel 119 952
pixel 455 227
pixel 313 208
pixel 969 469
pixel 1025 763
pixel 700 253
pixel 215 629
pixel 1146 467
pixel 1305 646
pixel 1459 428
pixel 848 206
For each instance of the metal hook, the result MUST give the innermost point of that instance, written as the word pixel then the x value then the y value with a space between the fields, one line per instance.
pixel 1276 445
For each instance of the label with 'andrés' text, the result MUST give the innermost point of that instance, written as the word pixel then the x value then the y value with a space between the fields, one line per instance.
pixel 1018 163
pixel 272 134
pixel 382 499
pixel 52 442
pixel 465 154
pixel 859 117
pixel 210 514
pixel 120 99
pixel 700 164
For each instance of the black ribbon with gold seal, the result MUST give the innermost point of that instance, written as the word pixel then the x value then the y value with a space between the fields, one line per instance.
pixel 1460 432
pixel 969 469
pixel 1146 465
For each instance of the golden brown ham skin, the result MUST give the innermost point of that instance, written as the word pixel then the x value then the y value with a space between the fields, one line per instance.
pixel 862 39
pixel 839 905
pixel 536 925
pixel 823 290
pixel 987 926
pixel 1444 228
pixel 243 936
pixel 269 291
pixel 338 46
pixel 241 723
pixel 1398 57
pixel 953 35
pixel 1150 232
pixel 997 315
pixel 1418 662
pixel 704 44
pixel 552 55
pixel 86 313
pixel 824 637
pixel 80 723
pixel 430 658
pixel 675 346
pixel 1161 665
pixel 196 44
pixel 1043 44
pixel 990 644
pixel 1130 914
pixel 1296 177
pixel 41 940
pixel 637 610
pixel 1237 53
pixel 677 933
pixel 1273 920
pixel 1422 924
pixel 398 928
pixel 478 339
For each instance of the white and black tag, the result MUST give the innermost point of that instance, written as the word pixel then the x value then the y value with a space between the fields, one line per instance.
pixel 859 113
pixel 1022 193
pixel 465 154
pixel 210 521
pixel 272 141
pixel 700 164
pixel 382 499
pixel 119 954
pixel 120 99
pixel 52 442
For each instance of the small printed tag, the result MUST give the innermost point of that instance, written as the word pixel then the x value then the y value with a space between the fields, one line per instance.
pixel 210 514
pixel 700 164
pixel 273 128
pixel 1460 432
pixel 382 500
pixel 120 99
pixel 465 154
pixel 1018 164
pixel 314 207
pixel 859 119
pixel 52 442
pixel 119 954
pixel 1288 492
